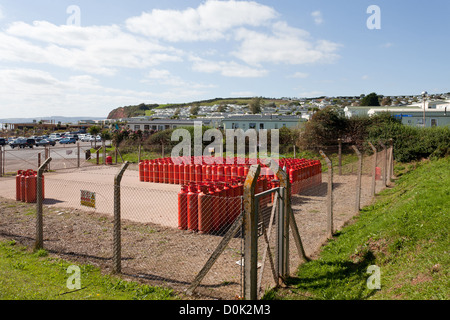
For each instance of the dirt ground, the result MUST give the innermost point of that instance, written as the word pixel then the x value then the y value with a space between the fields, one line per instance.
pixel 154 251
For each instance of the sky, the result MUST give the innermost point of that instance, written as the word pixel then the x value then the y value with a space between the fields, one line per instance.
pixel 86 58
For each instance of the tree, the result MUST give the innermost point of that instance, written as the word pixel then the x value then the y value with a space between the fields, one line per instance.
pixel 194 110
pixel 324 128
pixel 255 105
pixel 94 131
pixel 370 100
pixel 387 101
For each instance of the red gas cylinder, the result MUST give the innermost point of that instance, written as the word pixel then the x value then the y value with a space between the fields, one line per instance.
pixel 205 210
pixel 153 172
pixel 208 173
pixel 227 173
pixel 181 174
pixel 141 171
pixel 218 206
pixel 228 194
pixel 147 171
pixel 220 173
pixel 235 201
pixel 192 204
pixel 240 172
pixel 30 188
pixel 18 182
pixel 198 174
pixel 176 174
pixel 182 208
pixel 171 169
pixel 192 176
pixel 234 172
pixel 246 169
pixel 22 185
pixel 187 177
pixel 377 173
pixel 165 172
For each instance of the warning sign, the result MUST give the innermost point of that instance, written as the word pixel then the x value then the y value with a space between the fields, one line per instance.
pixel 88 199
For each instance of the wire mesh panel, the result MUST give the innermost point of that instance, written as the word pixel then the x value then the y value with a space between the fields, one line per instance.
pixel 267 209
pixel 21 159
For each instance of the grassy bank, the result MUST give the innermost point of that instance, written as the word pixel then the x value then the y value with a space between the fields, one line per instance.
pixel 405 233
pixel 25 275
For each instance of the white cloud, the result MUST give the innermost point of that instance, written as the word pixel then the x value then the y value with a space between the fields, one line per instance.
pixel 286 45
pixel 299 75
pixel 165 77
pixel 2 15
pixel 210 21
pixel 317 16
pixel 227 69
pixel 96 49
pixel 311 94
pixel 242 94
pixel 365 77
pixel 42 94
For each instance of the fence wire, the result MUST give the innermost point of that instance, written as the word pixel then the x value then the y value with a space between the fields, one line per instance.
pixel 169 231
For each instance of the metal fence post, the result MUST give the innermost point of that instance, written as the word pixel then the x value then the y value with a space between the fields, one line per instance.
pixel 358 180
pixel 117 248
pixel 384 174
pixel 283 224
pixel 39 243
pixel 340 156
pixel 104 151
pixel 391 160
pixel 374 169
pixel 329 195
pixel 78 154
pixel 1 161
pixel 250 224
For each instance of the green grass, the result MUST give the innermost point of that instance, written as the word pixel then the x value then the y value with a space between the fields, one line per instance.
pixel 405 233
pixel 25 275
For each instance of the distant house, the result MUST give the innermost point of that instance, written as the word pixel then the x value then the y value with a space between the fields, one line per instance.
pixel 164 124
pixel 438 116
pixel 258 122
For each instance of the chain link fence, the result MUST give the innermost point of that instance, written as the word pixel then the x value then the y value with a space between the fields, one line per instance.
pixel 176 233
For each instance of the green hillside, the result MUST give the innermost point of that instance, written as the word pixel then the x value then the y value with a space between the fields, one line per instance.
pixel 405 234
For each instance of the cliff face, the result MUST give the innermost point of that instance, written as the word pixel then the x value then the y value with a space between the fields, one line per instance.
pixel 118 113
pixel 131 111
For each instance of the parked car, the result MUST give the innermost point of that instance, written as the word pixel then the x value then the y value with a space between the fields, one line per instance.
pixel 55 136
pixel 97 138
pixel 68 141
pixel 86 138
pixel 45 142
pixel 23 143
pixel 3 141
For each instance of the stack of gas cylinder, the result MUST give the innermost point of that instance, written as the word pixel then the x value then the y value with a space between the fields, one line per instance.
pixel 210 198
pixel 302 173
pixel 26 186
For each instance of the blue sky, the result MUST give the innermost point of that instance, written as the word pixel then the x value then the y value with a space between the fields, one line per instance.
pixel 56 62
